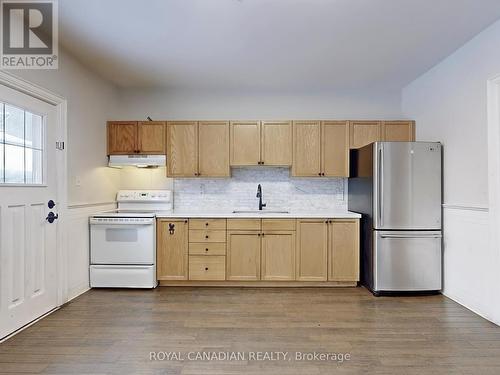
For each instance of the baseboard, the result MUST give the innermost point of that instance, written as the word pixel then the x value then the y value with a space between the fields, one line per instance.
pixel 262 284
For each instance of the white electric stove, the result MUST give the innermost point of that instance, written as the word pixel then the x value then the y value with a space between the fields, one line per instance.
pixel 123 241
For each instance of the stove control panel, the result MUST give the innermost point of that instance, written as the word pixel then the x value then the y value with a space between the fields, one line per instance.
pixel 144 196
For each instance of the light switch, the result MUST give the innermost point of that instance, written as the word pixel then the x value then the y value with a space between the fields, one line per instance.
pixel 78 181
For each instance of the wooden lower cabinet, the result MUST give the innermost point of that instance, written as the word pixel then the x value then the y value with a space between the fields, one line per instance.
pixel 343 250
pixel 172 249
pixel 254 251
pixel 312 250
pixel 243 255
pixel 278 256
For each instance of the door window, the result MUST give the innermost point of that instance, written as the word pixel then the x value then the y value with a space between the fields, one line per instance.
pixel 21 146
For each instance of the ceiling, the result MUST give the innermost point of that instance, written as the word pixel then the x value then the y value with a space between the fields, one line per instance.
pixel 284 45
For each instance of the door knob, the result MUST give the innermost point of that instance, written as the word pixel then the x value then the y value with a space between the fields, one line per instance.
pixel 51 204
pixel 51 217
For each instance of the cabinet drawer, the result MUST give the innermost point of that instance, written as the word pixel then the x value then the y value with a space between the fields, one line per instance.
pixel 243 224
pixel 199 235
pixel 207 268
pixel 207 224
pixel 278 224
pixel 216 248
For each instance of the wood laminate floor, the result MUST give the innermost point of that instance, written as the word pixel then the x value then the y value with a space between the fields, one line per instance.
pixel 114 331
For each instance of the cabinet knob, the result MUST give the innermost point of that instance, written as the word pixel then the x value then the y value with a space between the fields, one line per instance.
pixel 185 221
pixel 206 224
pixel 319 174
pixel 206 236
pixel 206 268
pixel 258 234
pixel 206 249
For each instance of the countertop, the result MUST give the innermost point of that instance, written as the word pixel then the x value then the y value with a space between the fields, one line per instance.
pixel 318 214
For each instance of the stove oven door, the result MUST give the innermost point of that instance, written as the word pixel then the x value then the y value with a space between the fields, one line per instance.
pixel 116 241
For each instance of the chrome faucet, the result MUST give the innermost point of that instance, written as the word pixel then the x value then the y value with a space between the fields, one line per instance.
pixel 259 195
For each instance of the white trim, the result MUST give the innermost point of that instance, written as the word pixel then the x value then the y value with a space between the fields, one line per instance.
pixel 61 105
pixel 493 107
pixel 465 208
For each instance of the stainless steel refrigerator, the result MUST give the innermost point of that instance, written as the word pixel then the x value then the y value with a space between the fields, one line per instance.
pixel 396 186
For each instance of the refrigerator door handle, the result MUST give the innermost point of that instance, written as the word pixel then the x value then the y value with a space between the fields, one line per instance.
pixel 411 236
pixel 380 186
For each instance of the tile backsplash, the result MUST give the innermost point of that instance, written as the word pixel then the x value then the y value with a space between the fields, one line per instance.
pixel 280 191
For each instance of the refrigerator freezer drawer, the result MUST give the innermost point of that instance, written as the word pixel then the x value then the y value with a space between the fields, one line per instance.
pixel 407 260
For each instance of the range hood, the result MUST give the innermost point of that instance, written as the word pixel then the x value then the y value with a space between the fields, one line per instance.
pixel 140 161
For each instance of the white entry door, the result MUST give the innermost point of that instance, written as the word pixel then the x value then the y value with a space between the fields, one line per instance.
pixel 28 181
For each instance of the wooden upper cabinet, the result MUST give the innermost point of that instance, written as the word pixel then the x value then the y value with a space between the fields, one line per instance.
pixel 363 133
pixel 276 143
pixel 182 149
pixel 306 148
pixel 402 131
pixel 122 137
pixel 278 256
pixel 335 148
pixel 312 250
pixel 245 143
pixel 213 140
pixel 172 249
pixel 243 255
pixel 151 137
pixel 343 252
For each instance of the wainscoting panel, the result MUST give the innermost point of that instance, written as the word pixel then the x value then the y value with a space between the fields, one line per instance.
pixel 78 245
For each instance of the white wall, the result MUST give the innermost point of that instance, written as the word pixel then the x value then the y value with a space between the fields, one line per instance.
pixel 449 104
pixel 229 105
pixel 91 101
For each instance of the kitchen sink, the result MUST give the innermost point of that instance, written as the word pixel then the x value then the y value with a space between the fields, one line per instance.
pixel 260 212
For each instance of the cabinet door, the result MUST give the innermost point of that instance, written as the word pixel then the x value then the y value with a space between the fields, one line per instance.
pixel 335 148
pixel 151 137
pixel 243 255
pixel 398 131
pixel 312 249
pixel 363 133
pixel 172 250
pixel 306 148
pixel 182 149
pixel 213 141
pixel 245 142
pixel 343 264
pixel 276 143
pixel 278 255
pixel 122 137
